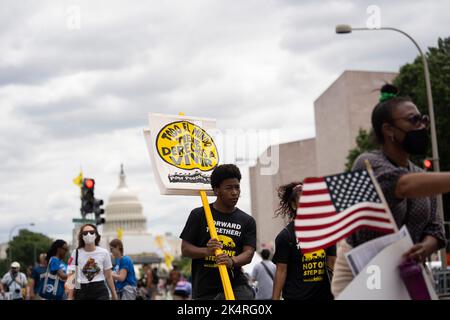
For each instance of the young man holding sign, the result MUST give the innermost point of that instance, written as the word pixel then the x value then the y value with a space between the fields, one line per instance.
pixel 236 237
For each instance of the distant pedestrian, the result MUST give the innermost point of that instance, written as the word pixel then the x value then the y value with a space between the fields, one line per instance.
pixel 263 274
pixel 51 286
pixel 182 290
pixel 36 274
pixel 123 272
pixel 13 282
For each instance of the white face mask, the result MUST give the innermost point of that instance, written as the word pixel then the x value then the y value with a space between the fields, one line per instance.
pixel 89 238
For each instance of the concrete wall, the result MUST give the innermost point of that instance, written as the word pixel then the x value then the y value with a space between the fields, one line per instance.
pixel 295 165
pixel 341 111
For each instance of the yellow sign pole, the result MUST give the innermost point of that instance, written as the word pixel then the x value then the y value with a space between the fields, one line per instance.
pixel 229 295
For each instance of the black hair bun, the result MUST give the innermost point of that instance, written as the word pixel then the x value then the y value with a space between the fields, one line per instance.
pixel 389 88
pixel 388 91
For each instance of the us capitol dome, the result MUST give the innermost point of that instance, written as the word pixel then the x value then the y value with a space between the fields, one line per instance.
pixel 124 210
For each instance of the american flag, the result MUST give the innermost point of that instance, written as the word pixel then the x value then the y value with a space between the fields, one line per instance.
pixel 332 207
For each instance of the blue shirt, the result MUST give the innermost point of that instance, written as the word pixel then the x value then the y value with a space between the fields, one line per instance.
pixel 36 275
pixel 125 263
pixel 56 265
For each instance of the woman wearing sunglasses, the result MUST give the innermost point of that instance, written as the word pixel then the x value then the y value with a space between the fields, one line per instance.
pixel 56 271
pixel 400 131
pixel 92 267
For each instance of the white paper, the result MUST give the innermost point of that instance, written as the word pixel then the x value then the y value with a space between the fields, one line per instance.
pixel 360 256
pixel 380 279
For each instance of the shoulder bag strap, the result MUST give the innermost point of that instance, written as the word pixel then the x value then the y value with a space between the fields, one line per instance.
pixel 267 270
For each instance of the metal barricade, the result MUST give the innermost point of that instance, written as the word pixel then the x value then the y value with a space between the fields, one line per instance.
pixel 442 283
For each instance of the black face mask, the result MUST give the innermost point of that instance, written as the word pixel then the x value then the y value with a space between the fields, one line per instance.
pixel 415 141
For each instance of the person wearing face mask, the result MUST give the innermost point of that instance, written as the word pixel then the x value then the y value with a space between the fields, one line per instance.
pixel 400 131
pixel 92 268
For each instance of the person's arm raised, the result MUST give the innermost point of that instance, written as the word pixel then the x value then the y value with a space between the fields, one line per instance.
pixel 422 184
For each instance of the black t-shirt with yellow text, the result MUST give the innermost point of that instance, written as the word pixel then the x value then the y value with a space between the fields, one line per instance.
pixel 235 230
pixel 306 278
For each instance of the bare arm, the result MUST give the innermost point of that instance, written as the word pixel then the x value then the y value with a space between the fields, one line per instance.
pixel 279 280
pixel 331 260
pixel 121 276
pixel 194 252
pixel 421 184
pixel 62 275
pixel 110 281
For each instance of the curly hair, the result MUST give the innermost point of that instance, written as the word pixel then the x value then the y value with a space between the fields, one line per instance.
pixel 287 194
pixel 224 172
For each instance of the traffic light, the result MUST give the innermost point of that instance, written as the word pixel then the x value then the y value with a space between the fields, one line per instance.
pixel 428 165
pixel 87 196
pixel 98 211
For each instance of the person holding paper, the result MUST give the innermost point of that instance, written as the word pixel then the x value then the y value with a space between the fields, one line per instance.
pixel 400 131
pixel 236 237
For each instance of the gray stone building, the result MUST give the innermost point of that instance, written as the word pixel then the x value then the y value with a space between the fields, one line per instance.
pixel 340 112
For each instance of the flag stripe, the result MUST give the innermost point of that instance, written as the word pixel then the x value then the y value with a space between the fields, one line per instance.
pixel 324 245
pixel 309 233
pixel 313 180
pixel 314 192
pixel 314 204
pixel 319 210
pixel 314 186
pixel 317 244
pixel 315 198
pixel 319 220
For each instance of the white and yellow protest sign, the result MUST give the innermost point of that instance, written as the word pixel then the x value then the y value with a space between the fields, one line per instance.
pixel 183 153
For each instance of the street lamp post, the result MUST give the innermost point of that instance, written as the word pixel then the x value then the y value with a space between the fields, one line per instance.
pixel 10 237
pixel 345 28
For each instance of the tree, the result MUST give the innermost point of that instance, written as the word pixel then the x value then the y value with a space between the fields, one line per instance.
pixel 411 82
pixel 364 142
pixel 27 246
pixel 184 265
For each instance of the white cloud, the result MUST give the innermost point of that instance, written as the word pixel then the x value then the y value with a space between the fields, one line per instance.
pixel 80 97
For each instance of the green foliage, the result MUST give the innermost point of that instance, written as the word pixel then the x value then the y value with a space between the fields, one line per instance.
pixel 411 82
pixel 364 142
pixel 27 246
pixel 184 265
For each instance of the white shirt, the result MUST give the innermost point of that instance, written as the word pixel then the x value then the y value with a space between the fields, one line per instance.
pixel 91 264
pixel 19 282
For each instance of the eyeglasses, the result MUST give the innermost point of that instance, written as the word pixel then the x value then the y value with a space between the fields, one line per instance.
pixel 85 233
pixel 417 119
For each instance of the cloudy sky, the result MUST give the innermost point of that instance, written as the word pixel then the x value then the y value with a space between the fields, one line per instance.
pixel 78 78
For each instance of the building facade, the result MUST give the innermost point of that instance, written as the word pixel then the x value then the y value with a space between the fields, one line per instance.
pixel 343 109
